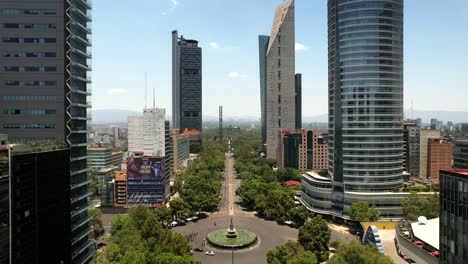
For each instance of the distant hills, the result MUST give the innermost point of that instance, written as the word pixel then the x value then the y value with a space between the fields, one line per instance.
pixel 120 116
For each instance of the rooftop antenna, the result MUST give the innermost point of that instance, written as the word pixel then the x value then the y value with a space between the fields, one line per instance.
pixel 145 90
pixel 154 97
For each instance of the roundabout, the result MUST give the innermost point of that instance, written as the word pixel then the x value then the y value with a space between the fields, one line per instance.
pixel 231 238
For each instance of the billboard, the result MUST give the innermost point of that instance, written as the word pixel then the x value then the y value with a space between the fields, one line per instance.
pixel 145 181
pixel 145 168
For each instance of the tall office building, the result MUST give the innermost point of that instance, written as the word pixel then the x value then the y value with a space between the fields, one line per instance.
pixel 280 76
pixel 44 90
pixel 439 157
pixel 412 149
pixel 186 83
pixel 262 52
pixel 453 216
pixel 460 154
pixel 365 66
pixel 99 158
pixel 135 134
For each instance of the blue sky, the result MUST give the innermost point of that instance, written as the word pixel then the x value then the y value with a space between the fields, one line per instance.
pixel 134 37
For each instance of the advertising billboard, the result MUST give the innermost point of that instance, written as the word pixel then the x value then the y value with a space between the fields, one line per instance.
pixel 145 180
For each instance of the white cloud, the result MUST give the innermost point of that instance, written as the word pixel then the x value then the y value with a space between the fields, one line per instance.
pixel 174 5
pixel 214 45
pixel 117 91
pixel 235 74
pixel 300 46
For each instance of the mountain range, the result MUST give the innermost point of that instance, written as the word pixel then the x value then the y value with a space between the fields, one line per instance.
pixel 120 116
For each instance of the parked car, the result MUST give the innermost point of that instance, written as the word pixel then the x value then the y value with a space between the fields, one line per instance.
pixel 173 224
pixel 101 244
pixel 210 253
pixel 198 249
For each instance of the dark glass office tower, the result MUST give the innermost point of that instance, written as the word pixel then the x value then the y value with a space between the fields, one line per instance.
pixel 4 204
pixel 298 99
pixel 44 89
pixel 186 83
pixel 365 40
pixel 262 52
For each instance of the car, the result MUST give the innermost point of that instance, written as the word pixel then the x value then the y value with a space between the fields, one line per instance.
pixel 210 253
pixel 101 244
pixel 173 224
pixel 198 249
pixel 289 223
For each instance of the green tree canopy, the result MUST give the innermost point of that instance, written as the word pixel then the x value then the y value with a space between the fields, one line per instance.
pixel 361 211
pixel 415 205
pixel 354 252
pixel 298 215
pixel 314 236
pixel 290 253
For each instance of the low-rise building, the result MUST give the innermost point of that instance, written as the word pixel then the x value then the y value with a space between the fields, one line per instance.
pixel 439 157
pixel 181 150
pixel 117 158
pixel 105 179
pixel 120 188
pixel 99 158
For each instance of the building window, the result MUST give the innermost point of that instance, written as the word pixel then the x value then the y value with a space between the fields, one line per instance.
pixel 279 75
pixel 28 54
pixel 279 123
pixel 28 12
pixel 279 51
pixel 279 63
pixel 279 99
pixel 279 87
pixel 190 71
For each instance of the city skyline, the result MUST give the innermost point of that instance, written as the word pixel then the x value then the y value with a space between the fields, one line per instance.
pixel 231 52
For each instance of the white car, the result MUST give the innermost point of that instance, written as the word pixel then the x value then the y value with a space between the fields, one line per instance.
pixel 210 253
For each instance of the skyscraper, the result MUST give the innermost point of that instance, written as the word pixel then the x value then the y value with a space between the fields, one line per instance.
pixel 280 76
pixel 146 133
pixel 186 83
pixel 365 99
pixel 44 90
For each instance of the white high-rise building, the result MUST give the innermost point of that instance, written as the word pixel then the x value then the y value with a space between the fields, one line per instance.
pixel 135 134
pixel 280 76
pixel 147 133
pixel 153 132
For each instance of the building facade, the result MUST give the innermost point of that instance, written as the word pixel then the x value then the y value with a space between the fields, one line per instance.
pixel 39 206
pixel 117 159
pixel 135 134
pixel 301 149
pixel 186 83
pixel 262 52
pixel 424 137
pixel 120 188
pixel 99 158
pixel 4 203
pixel 298 100
pixel 280 76
pixel 365 64
pixel 460 154
pixel 412 150
pixel 453 216
pixel 181 150
pixel 45 88
pixel 439 157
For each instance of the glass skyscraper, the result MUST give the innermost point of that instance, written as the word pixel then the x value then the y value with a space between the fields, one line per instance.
pixel 365 60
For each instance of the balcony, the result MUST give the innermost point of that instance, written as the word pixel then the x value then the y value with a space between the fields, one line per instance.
pixel 86 3
pixel 80 250
pixel 81 27
pixel 87 80
pixel 87 42
pixel 81 235
pixel 77 185
pixel 80 210
pixel 81 65
pixel 86 16
pixel 87 54
pixel 81 222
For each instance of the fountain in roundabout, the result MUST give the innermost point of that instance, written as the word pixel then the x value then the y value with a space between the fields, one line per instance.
pixel 231 237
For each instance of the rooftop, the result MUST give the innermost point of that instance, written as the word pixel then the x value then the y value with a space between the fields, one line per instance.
pixel 18 149
pixel 291 183
pixel 428 232
pixel 458 171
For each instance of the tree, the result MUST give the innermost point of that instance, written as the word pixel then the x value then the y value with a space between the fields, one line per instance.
pixel 96 222
pixel 164 215
pixel 288 174
pixel 415 205
pixel 291 252
pixel 298 215
pixel 361 211
pixel 179 208
pixel 354 252
pixel 279 202
pixel 314 236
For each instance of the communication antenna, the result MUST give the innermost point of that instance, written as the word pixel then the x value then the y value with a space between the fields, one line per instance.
pixel 154 97
pixel 145 90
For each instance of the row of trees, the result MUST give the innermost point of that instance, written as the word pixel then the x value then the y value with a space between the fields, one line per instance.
pixel 261 188
pixel 140 238
pixel 199 185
